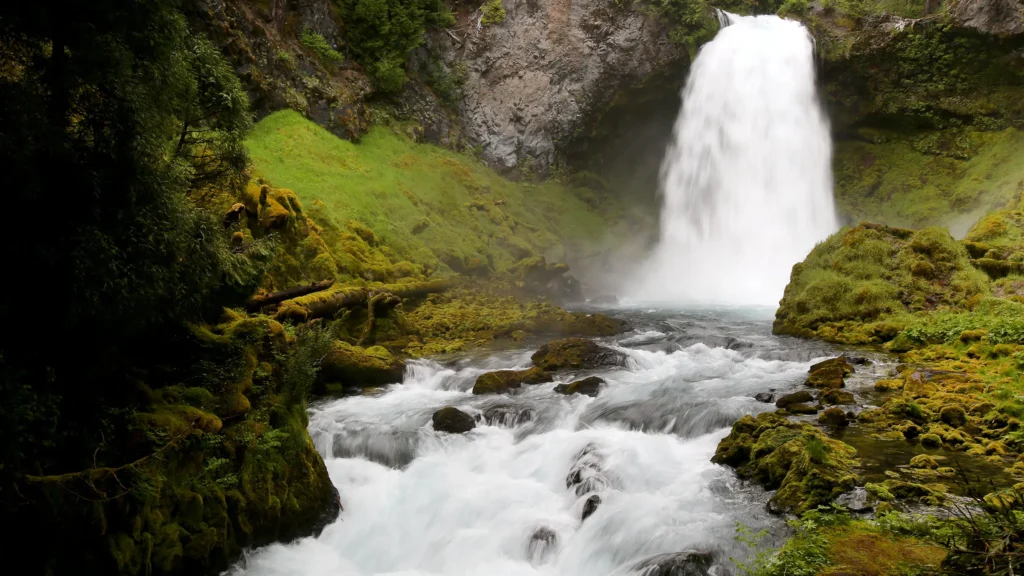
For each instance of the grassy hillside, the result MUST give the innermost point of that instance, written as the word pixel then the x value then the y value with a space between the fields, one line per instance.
pixel 938 178
pixel 428 205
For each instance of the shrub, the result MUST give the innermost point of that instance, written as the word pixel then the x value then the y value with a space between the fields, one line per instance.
pixel 319 46
pixel 494 13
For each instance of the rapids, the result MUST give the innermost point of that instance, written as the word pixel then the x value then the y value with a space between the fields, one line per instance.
pixel 507 497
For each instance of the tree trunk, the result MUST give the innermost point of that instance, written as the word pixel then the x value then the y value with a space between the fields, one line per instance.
pixel 259 302
pixel 324 305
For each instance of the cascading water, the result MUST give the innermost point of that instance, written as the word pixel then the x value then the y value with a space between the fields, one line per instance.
pixel 747 181
pixel 507 498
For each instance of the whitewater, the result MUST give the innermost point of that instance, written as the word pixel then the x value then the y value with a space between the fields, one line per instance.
pixel 746 183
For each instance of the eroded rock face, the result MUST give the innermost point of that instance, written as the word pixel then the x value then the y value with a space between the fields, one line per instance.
pixel 533 79
pixel 996 17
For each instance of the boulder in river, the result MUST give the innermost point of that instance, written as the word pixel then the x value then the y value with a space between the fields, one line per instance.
pixel 589 386
pixel 766 397
pixel 695 563
pixel 542 543
pixel 452 420
pixel 833 396
pixel 576 354
pixel 829 373
pixel 800 397
pixel 801 408
pixel 833 417
pixel 508 415
pixel 502 381
pixel 590 506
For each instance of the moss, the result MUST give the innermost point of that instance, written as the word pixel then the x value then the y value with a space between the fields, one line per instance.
pixel 576 353
pixel 806 467
pixel 862 277
pixel 493 13
pixel 502 381
pixel 360 367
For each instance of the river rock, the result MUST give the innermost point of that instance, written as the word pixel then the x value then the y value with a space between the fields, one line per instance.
pixel 827 377
pixel 590 506
pixel 833 417
pixel 508 415
pixel 695 563
pixel 588 386
pixel 354 366
pixel 855 500
pixel 502 381
pixel 766 397
pixel 800 397
pixel 833 396
pixel 953 415
pixel 586 475
pixel 542 544
pixel 801 408
pixel 452 420
pixel 576 354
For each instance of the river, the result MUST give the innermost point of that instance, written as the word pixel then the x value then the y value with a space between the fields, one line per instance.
pixel 507 497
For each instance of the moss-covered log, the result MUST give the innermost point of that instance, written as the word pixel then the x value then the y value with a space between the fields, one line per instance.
pixel 259 302
pixel 327 304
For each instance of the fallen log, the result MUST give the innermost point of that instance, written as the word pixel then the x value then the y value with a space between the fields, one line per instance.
pixel 328 303
pixel 259 302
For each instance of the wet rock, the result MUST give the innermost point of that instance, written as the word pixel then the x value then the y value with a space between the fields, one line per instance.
pixel 834 396
pixel 502 381
pixel 855 500
pixel 576 354
pixel 800 397
pixel 590 506
pixel 586 475
pixel 833 417
pixel 542 544
pixel 839 362
pixel 695 563
pixel 452 420
pixel 954 416
pixel 588 386
pixel 910 430
pixel 924 461
pixel 802 409
pixel 766 397
pixel 931 440
pixel 234 215
pixel 508 415
pixel 858 360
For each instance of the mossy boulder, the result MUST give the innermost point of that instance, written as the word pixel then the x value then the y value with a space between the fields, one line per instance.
pixel 502 381
pixel 859 285
pixel 354 366
pixel 806 467
pixel 952 415
pixel 576 354
pixel 801 408
pixel 834 417
pixel 452 420
pixel 800 397
pixel 588 386
pixel 834 396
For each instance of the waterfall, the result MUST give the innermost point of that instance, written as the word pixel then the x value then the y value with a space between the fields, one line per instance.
pixel 747 182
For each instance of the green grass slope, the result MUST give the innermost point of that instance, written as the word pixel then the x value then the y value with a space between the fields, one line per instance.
pixel 426 204
pixel 940 178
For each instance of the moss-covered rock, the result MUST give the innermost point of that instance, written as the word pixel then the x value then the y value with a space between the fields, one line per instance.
pixel 834 417
pixel 355 366
pixel 589 386
pixel 575 354
pixel 834 396
pixel 859 285
pixel 801 397
pixel 452 420
pixel 806 467
pixel 502 381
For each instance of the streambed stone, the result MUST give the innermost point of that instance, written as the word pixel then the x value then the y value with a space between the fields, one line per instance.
pixel 452 420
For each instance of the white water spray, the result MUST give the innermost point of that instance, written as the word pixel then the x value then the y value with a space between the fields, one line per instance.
pixel 747 181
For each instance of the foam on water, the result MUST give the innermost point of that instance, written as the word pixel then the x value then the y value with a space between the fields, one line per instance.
pixel 497 500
